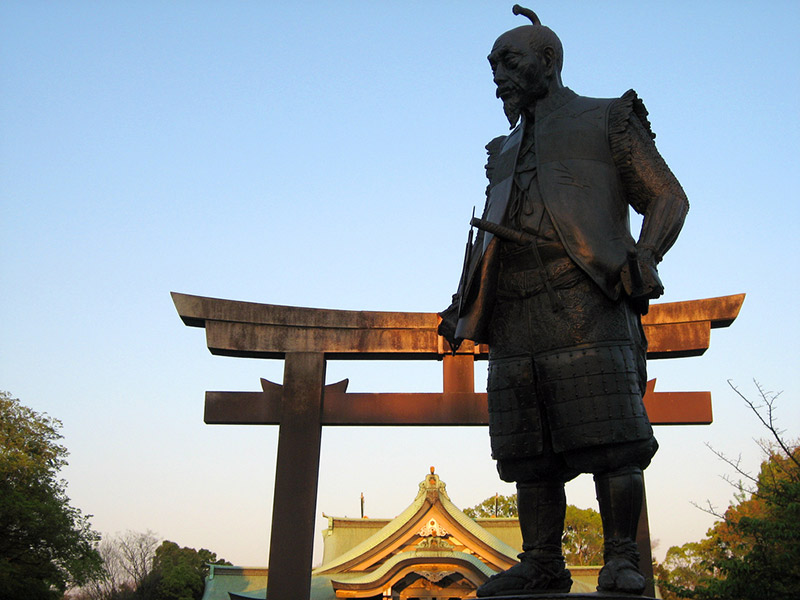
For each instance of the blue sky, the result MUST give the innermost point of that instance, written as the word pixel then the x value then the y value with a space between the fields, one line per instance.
pixel 329 155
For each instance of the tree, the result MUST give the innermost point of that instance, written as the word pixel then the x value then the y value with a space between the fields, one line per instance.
pixel 127 560
pixel 583 529
pixel 495 506
pixel 683 569
pixel 178 573
pixel 137 553
pixel 137 567
pixel 583 536
pixel 753 552
pixel 113 579
pixel 46 545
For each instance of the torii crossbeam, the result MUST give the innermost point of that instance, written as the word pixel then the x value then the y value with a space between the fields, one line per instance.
pixel 307 337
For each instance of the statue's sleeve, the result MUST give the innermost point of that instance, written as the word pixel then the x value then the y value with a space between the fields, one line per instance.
pixel 473 253
pixel 649 185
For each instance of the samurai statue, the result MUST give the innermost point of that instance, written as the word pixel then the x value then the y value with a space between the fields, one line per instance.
pixel 556 285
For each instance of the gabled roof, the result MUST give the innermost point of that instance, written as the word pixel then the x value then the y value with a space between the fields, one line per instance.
pixel 432 536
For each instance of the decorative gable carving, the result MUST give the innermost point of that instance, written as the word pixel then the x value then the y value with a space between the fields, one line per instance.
pixel 432 527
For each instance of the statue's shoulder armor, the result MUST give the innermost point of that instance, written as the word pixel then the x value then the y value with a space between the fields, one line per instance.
pixel 618 109
pixel 628 106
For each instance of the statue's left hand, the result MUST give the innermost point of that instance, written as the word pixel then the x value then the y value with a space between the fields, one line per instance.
pixel 640 279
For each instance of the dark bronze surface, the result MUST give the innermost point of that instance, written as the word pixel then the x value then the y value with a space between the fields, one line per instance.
pixel 556 284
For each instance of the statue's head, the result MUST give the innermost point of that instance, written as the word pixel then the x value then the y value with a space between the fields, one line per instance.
pixel 526 64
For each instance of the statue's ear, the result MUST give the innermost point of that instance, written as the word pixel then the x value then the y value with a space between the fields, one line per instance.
pixel 549 56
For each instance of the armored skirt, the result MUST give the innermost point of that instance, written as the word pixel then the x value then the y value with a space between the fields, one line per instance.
pixel 567 372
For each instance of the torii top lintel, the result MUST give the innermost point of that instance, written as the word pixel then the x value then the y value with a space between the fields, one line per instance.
pixel 253 330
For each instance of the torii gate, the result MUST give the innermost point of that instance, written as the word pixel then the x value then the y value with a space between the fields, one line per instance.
pixel 307 337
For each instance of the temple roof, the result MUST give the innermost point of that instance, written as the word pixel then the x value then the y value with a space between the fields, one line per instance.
pixel 431 545
pixel 431 513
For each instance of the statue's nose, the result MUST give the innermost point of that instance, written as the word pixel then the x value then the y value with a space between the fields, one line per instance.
pixel 499 75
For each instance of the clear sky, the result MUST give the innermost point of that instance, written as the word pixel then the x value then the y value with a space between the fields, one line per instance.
pixel 329 154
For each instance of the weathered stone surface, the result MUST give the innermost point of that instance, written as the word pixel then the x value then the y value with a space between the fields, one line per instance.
pixel 249 329
pixel 419 409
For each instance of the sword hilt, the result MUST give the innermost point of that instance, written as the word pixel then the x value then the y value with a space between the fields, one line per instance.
pixel 501 231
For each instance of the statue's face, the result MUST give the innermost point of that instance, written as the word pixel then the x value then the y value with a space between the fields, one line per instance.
pixel 519 72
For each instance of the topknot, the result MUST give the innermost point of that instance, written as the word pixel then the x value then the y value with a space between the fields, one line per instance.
pixel 526 12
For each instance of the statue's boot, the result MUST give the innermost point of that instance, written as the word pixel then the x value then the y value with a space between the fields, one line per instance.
pixel 620 495
pixel 541 507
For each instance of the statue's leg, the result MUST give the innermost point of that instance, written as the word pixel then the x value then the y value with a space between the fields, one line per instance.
pixel 620 495
pixel 542 506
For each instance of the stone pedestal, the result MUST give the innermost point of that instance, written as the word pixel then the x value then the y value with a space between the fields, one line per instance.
pixel 588 596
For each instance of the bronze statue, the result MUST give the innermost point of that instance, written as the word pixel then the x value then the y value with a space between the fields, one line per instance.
pixel 556 285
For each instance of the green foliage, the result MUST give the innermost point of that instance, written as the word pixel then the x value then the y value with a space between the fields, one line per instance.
pixel 495 506
pixel 684 567
pixel 583 529
pixel 138 567
pixel 46 545
pixel 753 552
pixel 583 536
pixel 178 573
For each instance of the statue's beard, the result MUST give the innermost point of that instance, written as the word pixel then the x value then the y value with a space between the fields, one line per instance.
pixel 516 100
pixel 513 111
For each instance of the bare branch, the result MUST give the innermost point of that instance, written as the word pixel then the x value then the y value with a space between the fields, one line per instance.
pixel 137 551
pixel 735 464
pixel 768 480
pixel 770 420
pixel 712 510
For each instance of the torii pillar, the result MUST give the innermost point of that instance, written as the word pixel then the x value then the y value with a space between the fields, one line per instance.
pixel 307 337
